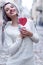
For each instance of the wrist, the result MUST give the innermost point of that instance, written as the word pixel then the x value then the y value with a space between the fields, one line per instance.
pixel 30 35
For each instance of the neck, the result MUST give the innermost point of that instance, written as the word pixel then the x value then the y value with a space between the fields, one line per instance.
pixel 15 21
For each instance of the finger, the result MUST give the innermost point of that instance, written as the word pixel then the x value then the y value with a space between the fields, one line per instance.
pixel 23 29
pixel 24 33
pixel 23 36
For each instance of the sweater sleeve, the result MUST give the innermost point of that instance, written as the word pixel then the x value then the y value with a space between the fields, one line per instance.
pixel 13 47
pixel 35 36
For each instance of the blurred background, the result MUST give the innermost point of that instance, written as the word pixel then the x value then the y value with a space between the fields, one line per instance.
pixel 32 9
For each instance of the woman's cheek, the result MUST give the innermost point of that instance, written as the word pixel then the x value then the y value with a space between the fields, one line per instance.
pixel 8 14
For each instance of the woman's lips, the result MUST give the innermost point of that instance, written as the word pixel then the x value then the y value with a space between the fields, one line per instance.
pixel 12 11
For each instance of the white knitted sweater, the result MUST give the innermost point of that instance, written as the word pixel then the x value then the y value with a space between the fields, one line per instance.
pixel 19 50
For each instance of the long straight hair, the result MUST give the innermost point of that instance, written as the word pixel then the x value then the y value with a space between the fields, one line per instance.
pixel 6 18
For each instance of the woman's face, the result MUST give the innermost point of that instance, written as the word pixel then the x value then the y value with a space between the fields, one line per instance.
pixel 10 10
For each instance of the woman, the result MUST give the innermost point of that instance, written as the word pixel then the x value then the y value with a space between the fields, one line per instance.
pixel 18 41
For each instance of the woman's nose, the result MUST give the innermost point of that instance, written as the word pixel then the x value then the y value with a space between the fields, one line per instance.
pixel 11 9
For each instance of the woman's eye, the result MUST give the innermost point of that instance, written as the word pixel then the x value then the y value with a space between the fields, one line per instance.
pixel 6 9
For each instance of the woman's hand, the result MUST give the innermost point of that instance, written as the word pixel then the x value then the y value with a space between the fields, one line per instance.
pixel 25 33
